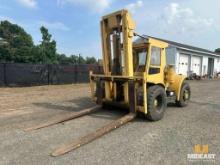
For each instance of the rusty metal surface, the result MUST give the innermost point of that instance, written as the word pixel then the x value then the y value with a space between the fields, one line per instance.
pixel 94 135
pixel 62 118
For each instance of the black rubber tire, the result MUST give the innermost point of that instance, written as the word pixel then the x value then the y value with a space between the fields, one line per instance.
pixel 184 102
pixel 156 93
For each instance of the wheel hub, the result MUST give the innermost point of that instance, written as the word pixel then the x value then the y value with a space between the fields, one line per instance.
pixel 155 103
pixel 186 95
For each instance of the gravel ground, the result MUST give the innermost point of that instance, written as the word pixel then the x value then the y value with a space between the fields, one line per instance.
pixel 139 142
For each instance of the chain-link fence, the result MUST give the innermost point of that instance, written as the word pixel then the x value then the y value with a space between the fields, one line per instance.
pixel 43 74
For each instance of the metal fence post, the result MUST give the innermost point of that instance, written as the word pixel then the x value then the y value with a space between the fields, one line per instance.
pixel 48 74
pixel 76 73
pixel 5 77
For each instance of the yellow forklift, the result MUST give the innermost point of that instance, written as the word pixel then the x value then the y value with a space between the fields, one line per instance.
pixel 136 76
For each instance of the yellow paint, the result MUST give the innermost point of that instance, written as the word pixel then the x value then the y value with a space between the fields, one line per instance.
pixel 174 81
pixel 201 149
pixel 121 21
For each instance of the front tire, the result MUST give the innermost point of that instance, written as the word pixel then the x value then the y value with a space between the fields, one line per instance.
pixel 156 103
pixel 185 95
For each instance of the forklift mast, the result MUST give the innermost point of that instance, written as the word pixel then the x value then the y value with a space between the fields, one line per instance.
pixel 117 33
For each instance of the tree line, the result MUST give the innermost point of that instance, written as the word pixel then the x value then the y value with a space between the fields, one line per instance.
pixel 217 50
pixel 17 46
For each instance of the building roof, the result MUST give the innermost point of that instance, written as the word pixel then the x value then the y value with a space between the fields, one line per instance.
pixel 178 45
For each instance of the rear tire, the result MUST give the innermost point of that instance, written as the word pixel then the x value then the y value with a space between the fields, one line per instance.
pixel 156 103
pixel 185 95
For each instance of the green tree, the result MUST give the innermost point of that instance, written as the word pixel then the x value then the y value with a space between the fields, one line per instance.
pixel 74 59
pixel 81 60
pixel 217 50
pixel 63 59
pixel 91 60
pixel 16 45
pixel 46 52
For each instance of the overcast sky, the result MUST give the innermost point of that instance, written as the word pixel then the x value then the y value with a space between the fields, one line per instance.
pixel 74 24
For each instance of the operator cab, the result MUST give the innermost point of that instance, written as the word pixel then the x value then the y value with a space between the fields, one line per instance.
pixel 142 53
